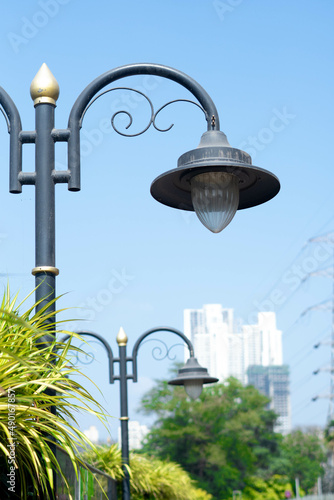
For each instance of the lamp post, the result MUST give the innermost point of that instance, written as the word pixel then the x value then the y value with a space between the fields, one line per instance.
pixel 214 180
pixel 192 376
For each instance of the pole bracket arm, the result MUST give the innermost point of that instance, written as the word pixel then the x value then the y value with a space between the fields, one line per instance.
pixel 60 176
pixel 88 94
pixel 107 347
pixel 150 332
pixel 60 135
pixel 26 178
pixel 13 120
pixel 27 136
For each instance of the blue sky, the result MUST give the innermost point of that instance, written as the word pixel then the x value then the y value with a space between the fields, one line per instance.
pixel 269 68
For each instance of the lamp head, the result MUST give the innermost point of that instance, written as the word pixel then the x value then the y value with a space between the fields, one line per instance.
pixel 192 376
pixel 215 180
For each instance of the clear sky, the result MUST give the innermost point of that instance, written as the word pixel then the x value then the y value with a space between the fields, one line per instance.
pixel 269 68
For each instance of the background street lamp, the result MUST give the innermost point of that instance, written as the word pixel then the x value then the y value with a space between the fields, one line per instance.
pixel 214 179
pixel 192 376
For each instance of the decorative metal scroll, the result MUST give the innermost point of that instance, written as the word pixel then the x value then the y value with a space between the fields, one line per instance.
pixel 86 358
pixel 152 120
pixel 6 118
pixel 160 353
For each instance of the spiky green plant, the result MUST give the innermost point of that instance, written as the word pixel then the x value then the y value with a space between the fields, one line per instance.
pixel 34 377
pixel 150 478
pixel 108 459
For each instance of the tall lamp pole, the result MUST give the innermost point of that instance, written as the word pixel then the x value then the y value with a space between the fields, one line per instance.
pixel 214 180
pixel 192 376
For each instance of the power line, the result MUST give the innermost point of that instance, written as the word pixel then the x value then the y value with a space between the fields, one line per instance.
pixel 328 272
pixel 309 346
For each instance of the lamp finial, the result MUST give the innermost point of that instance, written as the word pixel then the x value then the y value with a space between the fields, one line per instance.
pixel 44 88
pixel 121 338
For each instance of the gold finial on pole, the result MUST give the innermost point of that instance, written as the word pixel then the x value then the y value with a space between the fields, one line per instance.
pixel 121 338
pixel 44 87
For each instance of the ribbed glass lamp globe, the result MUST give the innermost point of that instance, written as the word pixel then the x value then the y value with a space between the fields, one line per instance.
pixel 215 198
pixel 193 388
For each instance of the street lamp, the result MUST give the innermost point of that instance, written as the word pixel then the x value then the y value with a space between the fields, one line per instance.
pixel 214 180
pixel 192 376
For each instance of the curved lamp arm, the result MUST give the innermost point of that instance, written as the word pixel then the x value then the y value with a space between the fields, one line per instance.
pixel 106 346
pixel 133 359
pixel 149 332
pixel 78 109
pixel 214 180
pixel 12 116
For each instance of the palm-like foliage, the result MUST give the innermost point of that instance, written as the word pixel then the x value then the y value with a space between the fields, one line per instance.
pixel 106 458
pixel 150 478
pixel 35 376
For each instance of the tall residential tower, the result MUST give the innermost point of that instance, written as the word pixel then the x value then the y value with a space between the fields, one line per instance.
pixel 226 350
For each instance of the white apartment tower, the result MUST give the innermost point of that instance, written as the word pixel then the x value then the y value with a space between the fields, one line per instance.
pixel 262 343
pixel 209 329
pixel 224 350
pixel 251 353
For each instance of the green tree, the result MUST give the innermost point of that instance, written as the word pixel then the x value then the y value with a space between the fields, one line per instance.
pixel 303 456
pixel 221 439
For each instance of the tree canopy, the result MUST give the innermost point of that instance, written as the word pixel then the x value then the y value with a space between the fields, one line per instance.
pixel 221 439
pixel 226 441
pixel 303 456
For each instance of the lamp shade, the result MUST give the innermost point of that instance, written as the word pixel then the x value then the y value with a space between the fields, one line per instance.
pixel 214 154
pixel 192 376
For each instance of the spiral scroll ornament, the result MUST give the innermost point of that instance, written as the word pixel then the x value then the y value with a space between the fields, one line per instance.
pixel 153 114
pixel 161 352
pixel 84 357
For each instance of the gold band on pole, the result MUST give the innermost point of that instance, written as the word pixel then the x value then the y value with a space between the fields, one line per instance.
pixel 45 269
pixel 124 418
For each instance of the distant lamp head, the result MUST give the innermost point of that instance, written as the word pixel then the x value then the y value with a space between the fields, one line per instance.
pixel 192 376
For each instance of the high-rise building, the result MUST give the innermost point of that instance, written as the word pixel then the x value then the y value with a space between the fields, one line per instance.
pixel 273 381
pixel 209 329
pixel 257 344
pixel 226 350
pixel 263 342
